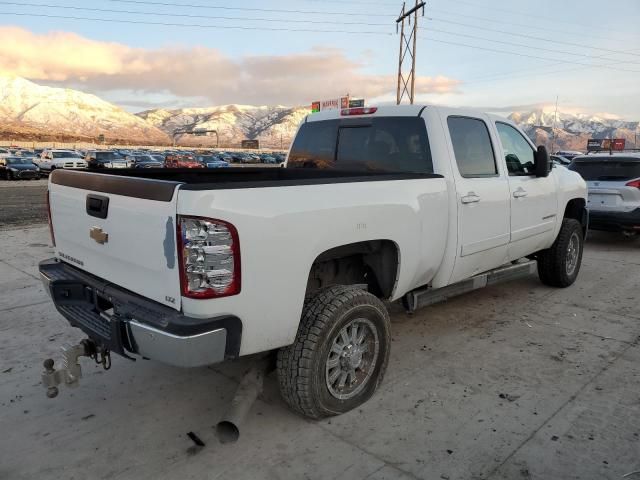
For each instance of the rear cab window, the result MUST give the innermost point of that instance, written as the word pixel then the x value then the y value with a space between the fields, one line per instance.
pixel 390 144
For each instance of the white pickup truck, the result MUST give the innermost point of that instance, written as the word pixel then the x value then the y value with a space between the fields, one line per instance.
pixel 50 160
pixel 374 205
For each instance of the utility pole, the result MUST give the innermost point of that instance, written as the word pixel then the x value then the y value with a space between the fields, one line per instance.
pixel 553 127
pixel 406 83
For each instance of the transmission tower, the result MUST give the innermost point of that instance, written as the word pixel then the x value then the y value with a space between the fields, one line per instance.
pixel 406 82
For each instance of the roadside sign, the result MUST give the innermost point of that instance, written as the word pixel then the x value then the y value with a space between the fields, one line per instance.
pixel 253 144
pixel 315 107
pixel 356 103
pixel 599 144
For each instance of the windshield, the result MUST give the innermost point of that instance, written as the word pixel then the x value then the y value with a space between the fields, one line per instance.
pixel 18 161
pixel 66 155
pixel 143 159
pixel 607 170
pixel 107 156
pixel 393 144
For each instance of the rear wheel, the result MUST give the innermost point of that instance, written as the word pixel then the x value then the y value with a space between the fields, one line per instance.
pixel 559 265
pixel 9 175
pixel 340 353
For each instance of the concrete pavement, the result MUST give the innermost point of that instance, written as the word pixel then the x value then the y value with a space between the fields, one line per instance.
pixel 516 381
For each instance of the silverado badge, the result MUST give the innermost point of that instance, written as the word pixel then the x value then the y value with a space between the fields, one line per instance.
pixel 98 235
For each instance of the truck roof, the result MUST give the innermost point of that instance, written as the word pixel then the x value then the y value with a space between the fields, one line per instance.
pixel 395 111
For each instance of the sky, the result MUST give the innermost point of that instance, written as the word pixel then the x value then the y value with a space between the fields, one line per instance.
pixel 492 54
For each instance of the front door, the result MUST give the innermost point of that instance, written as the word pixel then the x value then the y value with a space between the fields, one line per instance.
pixel 533 199
pixel 482 193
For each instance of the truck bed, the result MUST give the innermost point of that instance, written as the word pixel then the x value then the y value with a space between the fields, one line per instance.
pixel 219 179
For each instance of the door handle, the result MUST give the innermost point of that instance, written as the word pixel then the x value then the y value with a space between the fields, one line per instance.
pixel 470 197
pixel 519 193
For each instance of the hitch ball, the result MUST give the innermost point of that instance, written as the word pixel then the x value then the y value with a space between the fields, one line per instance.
pixel 52 391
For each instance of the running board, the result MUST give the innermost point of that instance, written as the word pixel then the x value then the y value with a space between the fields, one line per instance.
pixel 428 296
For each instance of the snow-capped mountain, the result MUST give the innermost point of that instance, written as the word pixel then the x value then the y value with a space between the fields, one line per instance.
pixel 33 112
pixel 273 126
pixel 572 130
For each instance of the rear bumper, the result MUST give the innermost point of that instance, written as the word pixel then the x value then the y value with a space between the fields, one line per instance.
pixel 126 323
pixel 614 221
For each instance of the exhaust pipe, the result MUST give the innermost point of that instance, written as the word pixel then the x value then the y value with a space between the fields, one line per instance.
pixel 228 428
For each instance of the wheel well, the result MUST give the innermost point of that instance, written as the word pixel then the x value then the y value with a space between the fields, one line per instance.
pixel 576 209
pixel 374 263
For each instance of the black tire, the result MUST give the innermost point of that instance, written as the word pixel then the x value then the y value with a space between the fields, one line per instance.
pixel 555 267
pixel 9 175
pixel 303 373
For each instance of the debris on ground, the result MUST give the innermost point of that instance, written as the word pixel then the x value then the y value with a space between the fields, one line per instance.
pixel 509 397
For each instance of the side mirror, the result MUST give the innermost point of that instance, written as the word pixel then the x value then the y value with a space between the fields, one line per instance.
pixel 542 162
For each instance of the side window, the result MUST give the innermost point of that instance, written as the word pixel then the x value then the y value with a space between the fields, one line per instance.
pixel 472 147
pixel 518 153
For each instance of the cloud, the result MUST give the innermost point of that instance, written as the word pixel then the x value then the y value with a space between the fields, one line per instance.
pixel 68 59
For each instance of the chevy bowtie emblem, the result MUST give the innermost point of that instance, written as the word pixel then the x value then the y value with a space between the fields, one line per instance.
pixel 98 235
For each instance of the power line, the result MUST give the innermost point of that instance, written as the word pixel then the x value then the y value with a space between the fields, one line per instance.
pixel 524 25
pixel 521 54
pixel 245 9
pixel 193 25
pixel 520 44
pixel 512 12
pixel 137 12
pixel 536 68
pixel 532 37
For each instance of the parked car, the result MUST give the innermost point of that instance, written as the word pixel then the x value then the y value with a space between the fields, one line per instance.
pixel 4 152
pixel 182 161
pixel 569 154
pixel 212 161
pixel 372 208
pixel 613 182
pixel 97 159
pixel 18 168
pixel 269 159
pixel 560 160
pixel 53 159
pixel 143 161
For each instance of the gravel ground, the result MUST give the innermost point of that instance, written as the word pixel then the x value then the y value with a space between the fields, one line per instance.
pixel 516 381
pixel 22 202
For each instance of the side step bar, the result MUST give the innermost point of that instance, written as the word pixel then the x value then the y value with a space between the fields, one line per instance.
pixel 428 296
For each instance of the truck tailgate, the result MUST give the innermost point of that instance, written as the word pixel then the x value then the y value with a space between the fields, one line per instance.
pixel 121 229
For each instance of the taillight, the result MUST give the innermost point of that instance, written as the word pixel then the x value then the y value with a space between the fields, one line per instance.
pixel 209 256
pixel 358 111
pixel 633 183
pixel 53 238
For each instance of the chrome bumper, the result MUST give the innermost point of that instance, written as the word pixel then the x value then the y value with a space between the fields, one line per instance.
pixel 130 324
pixel 191 351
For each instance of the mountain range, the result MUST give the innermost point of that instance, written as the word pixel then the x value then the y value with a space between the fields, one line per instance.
pixel 32 112
pixel 29 111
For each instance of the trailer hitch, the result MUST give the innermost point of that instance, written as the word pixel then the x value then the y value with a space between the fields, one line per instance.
pixel 71 371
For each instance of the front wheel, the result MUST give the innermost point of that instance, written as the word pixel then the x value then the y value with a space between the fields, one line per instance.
pixel 559 265
pixel 339 355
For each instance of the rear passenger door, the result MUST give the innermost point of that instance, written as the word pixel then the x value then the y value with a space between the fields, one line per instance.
pixel 533 199
pixel 482 196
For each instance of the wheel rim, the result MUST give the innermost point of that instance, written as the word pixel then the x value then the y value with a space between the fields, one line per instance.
pixel 352 358
pixel 573 251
